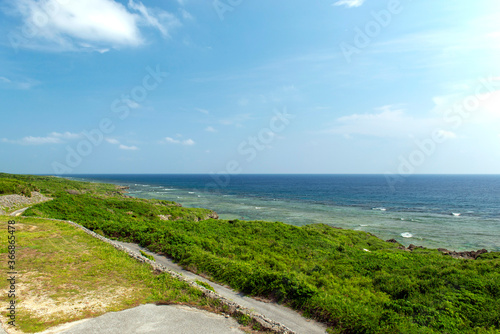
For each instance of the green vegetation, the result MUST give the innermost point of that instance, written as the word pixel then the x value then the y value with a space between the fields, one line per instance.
pixel 10 186
pixel 67 275
pixel 351 280
pixel 147 256
pixel 54 186
pixel 205 285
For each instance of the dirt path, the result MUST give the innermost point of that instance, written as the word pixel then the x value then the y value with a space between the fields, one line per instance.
pixel 273 311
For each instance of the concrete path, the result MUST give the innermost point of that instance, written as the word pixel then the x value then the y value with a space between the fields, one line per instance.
pixel 153 319
pixel 19 212
pixel 273 311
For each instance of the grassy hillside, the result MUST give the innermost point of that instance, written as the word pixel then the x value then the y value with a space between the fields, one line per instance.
pixel 351 280
pixel 9 186
pixel 66 275
pixel 52 186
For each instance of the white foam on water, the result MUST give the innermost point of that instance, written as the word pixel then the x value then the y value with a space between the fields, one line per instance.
pixel 407 235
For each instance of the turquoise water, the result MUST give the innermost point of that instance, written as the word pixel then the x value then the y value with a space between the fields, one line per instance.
pixel 454 212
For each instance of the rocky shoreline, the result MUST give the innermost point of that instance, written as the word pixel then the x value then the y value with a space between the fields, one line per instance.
pixel 9 203
pixel 469 255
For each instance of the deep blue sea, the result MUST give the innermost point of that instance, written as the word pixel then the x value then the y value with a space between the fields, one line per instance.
pixel 458 212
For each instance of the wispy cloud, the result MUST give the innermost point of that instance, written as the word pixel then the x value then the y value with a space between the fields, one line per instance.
pixel 210 129
pixel 236 120
pixel 446 134
pixel 114 141
pixel 92 24
pixel 349 3
pixel 52 138
pixel 186 142
pixel 157 18
pixel 128 148
pixel 387 122
pixel 203 111
pixel 17 84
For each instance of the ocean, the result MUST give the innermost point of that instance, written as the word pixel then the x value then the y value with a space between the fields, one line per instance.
pixel 457 212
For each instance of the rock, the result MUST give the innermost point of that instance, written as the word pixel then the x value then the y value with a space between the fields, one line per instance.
pixel 72 192
pixel 8 202
pixel 212 215
pixel 471 255
pixel 412 247
pixel 394 241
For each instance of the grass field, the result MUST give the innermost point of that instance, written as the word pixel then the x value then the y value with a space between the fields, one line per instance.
pixel 65 275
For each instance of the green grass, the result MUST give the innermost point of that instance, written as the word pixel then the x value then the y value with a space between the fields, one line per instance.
pixel 321 271
pixel 147 256
pixel 60 267
pixel 205 285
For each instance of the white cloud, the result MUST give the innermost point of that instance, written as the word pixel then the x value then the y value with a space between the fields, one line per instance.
pixel 90 24
pixel 187 142
pixel 389 121
pixel 30 140
pixel 446 134
pixel 236 120
pixel 121 146
pixel 52 138
pixel 210 129
pixel 172 140
pixel 18 84
pixel 128 148
pixel 349 3
pixel 186 15
pixel 157 18
pixel 203 111
pixel 112 141
pixel 66 135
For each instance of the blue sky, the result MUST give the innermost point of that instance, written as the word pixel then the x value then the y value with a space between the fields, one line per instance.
pixel 191 86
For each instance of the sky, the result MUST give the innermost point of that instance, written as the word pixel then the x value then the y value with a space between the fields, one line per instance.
pixel 237 86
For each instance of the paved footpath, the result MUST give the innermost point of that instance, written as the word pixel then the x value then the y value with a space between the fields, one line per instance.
pixel 273 311
pixel 153 319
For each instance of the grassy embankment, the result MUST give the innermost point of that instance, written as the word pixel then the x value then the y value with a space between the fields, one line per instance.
pixel 66 275
pixel 351 280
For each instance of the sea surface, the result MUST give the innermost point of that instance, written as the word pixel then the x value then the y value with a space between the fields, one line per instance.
pixel 457 212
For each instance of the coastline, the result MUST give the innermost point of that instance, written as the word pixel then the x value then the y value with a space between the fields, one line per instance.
pixel 430 230
pixel 350 280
